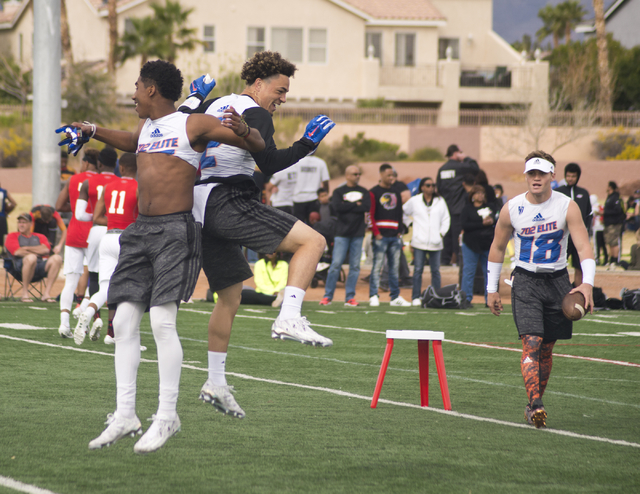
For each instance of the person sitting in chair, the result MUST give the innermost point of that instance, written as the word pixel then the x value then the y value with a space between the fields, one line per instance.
pixel 28 251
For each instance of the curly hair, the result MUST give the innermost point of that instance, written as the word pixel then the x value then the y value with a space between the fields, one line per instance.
pixel 540 154
pixel 165 76
pixel 265 64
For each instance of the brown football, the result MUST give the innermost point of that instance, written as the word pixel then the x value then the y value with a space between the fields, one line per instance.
pixel 573 306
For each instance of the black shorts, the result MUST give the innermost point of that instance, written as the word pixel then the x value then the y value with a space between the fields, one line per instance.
pixel 234 217
pixel 159 262
pixel 39 273
pixel 536 300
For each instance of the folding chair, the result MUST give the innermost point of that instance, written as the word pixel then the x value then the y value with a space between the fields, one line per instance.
pixel 13 282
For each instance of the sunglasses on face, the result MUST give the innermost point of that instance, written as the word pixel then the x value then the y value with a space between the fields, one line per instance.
pixel 427 185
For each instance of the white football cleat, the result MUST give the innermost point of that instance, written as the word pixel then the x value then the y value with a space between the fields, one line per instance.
pixel 374 301
pixel 108 340
pixel 94 335
pixel 65 331
pixel 400 302
pixel 158 434
pixel 118 427
pixel 76 312
pixel 298 329
pixel 221 399
pixel 81 329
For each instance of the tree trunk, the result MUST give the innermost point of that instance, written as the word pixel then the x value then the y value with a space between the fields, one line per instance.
pixel 65 38
pixel 604 93
pixel 113 36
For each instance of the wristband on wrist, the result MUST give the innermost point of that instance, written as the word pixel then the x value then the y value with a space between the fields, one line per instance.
pixel 93 128
pixel 588 267
pixel 493 276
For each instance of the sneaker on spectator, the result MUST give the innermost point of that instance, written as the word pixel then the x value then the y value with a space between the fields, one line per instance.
pixel 416 302
pixel 400 302
pixel 352 302
pixel 374 301
pixel 325 301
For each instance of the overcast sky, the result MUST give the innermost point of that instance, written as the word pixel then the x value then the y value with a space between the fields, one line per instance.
pixel 513 18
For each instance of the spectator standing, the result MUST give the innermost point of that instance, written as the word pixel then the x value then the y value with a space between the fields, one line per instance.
pixel 633 212
pixel 500 197
pixel 634 264
pixel 613 216
pixel 386 224
pixel 311 174
pixel 478 222
pixel 349 202
pixel 280 190
pixel 431 223
pixel 598 229
pixel 30 256
pixel 7 204
pixel 449 184
pixel 572 174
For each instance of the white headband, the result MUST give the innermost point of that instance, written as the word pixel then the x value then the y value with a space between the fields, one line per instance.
pixel 538 164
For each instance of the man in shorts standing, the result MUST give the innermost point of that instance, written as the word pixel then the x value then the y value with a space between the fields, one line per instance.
pixel 539 221
pixel 226 202
pixel 160 254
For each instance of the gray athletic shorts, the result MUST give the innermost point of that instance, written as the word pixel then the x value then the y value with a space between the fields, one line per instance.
pixel 234 217
pixel 159 261
pixel 536 302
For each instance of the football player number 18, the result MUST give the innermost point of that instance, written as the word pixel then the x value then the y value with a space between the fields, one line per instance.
pixel 547 247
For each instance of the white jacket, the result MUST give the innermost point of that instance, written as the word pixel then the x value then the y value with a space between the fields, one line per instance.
pixel 430 224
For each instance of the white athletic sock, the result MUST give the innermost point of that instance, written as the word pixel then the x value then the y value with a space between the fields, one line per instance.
pixel 163 324
pixel 64 319
pixel 66 296
pixel 292 303
pixel 90 312
pixel 126 325
pixel 217 368
pixel 85 301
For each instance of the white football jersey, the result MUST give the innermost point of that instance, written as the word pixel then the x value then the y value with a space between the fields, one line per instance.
pixel 223 160
pixel 168 135
pixel 540 232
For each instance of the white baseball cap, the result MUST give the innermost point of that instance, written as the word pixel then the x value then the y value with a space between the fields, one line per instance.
pixel 539 164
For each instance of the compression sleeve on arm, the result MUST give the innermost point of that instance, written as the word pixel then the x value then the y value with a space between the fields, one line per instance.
pixel 588 271
pixel 81 211
pixel 493 276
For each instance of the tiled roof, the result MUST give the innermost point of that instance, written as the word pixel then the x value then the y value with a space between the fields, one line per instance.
pixel 397 9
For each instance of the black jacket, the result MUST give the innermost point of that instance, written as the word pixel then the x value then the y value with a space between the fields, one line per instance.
pixel 477 236
pixel 449 183
pixel 581 197
pixel 613 210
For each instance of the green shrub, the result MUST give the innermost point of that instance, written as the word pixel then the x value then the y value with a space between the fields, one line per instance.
pixel 612 143
pixel 427 154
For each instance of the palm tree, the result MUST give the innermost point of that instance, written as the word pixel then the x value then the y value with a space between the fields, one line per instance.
pixel 553 24
pixel 604 94
pixel 571 14
pixel 112 17
pixel 160 35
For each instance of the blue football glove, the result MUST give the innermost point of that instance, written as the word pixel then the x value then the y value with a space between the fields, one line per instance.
pixel 318 128
pixel 202 86
pixel 75 138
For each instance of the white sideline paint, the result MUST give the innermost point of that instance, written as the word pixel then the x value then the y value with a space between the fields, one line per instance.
pixel 16 485
pixel 338 392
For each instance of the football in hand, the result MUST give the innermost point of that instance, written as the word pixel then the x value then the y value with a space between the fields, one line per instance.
pixel 573 306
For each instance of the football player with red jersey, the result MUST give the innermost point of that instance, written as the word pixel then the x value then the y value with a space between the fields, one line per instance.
pixel 75 249
pixel 90 192
pixel 116 209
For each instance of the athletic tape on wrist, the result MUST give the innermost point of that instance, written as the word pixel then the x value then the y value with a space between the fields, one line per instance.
pixel 588 267
pixel 493 276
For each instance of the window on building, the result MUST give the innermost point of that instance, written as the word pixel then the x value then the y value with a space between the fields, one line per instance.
pixel 373 40
pixel 444 44
pixel 128 25
pixel 317 45
pixel 209 39
pixel 20 46
pixel 255 40
pixel 405 49
pixel 287 41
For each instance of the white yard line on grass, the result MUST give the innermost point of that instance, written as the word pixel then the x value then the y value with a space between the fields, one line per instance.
pixel 338 392
pixel 16 485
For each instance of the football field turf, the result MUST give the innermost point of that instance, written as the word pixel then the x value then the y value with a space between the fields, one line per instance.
pixel 309 426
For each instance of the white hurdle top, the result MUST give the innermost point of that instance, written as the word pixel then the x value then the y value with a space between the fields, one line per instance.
pixel 409 334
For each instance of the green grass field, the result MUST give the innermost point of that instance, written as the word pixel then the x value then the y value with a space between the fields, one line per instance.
pixel 309 426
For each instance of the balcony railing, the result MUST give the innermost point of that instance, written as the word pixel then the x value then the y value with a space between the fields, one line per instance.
pixel 420 76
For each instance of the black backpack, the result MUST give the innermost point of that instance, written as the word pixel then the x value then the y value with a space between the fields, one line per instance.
pixel 630 299
pixel 447 297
